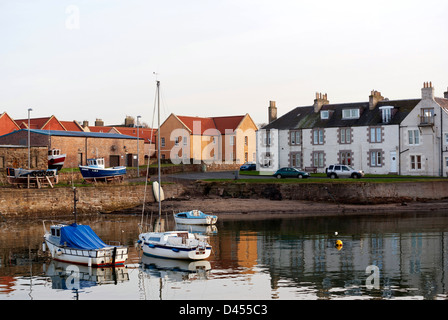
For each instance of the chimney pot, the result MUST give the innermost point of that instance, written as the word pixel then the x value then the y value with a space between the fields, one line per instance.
pixel 272 111
pixel 428 91
pixel 374 98
pixel 320 101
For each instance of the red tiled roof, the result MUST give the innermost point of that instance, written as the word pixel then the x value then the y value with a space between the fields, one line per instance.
pixel 71 125
pixel 144 133
pixel 35 123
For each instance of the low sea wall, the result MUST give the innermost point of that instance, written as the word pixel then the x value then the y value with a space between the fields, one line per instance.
pixel 49 203
pixel 58 202
pixel 362 192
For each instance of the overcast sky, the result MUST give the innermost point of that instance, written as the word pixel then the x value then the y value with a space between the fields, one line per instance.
pixel 87 59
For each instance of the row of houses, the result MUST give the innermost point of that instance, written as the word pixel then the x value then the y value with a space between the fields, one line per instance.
pixel 183 139
pixel 379 136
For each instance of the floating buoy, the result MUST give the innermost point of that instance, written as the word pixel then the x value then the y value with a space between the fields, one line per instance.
pixel 338 244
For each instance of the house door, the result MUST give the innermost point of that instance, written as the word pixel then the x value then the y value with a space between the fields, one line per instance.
pixel 393 161
pixel 114 161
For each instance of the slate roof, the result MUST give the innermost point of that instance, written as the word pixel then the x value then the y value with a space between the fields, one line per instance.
pixel 306 118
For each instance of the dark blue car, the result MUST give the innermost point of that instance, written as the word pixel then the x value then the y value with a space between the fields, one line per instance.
pixel 248 167
pixel 290 173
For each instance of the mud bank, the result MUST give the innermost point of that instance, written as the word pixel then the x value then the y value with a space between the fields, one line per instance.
pixel 256 208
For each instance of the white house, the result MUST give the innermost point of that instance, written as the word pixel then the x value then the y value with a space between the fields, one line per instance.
pixel 379 136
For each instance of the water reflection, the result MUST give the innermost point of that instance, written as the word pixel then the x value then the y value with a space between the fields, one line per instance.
pixel 289 258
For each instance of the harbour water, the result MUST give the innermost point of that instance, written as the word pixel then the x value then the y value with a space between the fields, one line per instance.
pixel 388 257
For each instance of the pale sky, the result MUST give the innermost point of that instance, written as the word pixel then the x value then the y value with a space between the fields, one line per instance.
pixel 87 59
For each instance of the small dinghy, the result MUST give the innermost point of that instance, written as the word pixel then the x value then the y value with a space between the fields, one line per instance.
pixel 195 217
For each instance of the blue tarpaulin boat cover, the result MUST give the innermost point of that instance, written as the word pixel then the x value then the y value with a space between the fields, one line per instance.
pixel 81 237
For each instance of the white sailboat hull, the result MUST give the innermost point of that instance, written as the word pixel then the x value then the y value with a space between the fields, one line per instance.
pixel 95 258
pixel 175 245
pixel 176 253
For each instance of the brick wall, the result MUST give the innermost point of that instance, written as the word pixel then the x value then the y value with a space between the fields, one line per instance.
pixel 82 148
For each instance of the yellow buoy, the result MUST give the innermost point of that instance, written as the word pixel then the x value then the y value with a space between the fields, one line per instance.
pixel 338 244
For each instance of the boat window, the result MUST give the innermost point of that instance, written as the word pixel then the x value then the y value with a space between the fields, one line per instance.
pixel 154 238
pixel 182 215
pixel 56 232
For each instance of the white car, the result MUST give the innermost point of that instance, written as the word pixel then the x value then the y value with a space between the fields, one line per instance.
pixel 343 171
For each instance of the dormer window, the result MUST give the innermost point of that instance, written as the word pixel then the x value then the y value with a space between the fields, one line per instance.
pixel 324 114
pixel 350 114
pixel 386 113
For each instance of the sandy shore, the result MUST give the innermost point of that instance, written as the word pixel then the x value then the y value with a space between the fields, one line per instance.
pixel 255 208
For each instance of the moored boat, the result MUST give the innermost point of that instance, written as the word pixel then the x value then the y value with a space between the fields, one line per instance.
pixel 181 245
pixel 79 244
pixel 195 217
pixel 95 171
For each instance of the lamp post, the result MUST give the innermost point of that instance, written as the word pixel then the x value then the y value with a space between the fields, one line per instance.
pixel 29 144
pixel 138 143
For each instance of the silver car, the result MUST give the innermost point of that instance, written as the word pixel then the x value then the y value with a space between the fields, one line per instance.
pixel 343 171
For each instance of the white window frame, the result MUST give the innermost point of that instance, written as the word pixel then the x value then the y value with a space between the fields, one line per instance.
pixel 386 113
pixel 376 158
pixel 414 137
pixel 318 136
pixel 350 113
pixel 375 134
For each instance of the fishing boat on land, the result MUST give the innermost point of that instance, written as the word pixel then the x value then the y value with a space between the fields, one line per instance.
pixel 79 244
pixel 195 217
pixel 55 159
pixel 181 245
pixel 95 171
pixel 21 177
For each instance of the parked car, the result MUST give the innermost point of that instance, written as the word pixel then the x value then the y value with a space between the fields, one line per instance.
pixel 343 171
pixel 290 172
pixel 248 166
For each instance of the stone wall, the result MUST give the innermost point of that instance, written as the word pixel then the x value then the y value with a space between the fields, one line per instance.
pixel 352 193
pixel 17 157
pixel 58 202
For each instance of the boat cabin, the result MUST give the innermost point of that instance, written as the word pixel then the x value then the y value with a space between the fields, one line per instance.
pixel 54 152
pixel 55 230
pixel 96 162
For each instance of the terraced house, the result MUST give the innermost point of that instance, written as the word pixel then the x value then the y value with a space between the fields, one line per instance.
pixel 379 136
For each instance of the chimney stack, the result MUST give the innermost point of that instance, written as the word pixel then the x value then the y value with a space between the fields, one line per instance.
pixel 272 111
pixel 427 91
pixel 85 124
pixel 321 99
pixel 374 98
pixel 99 123
pixel 445 94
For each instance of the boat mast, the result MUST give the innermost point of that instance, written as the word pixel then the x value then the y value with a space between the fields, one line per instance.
pixel 158 149
pixel 74 203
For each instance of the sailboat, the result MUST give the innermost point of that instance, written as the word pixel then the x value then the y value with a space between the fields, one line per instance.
pixel 171 244
pixel 79 244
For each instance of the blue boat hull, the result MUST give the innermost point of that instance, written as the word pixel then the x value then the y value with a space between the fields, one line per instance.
pixel 97 173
